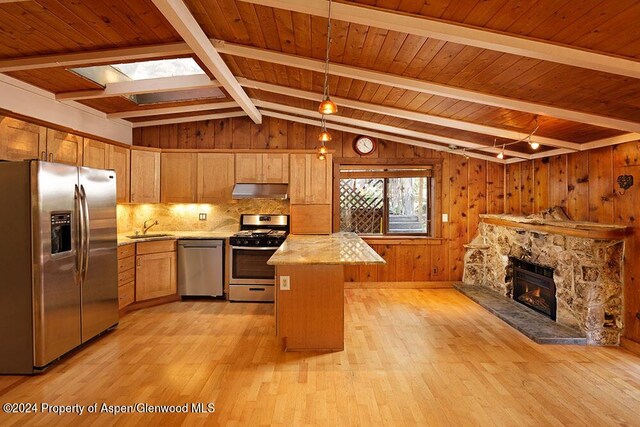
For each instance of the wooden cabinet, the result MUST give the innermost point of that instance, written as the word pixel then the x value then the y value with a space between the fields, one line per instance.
pixel 275 168
pixel 178 177
pixel 145 175
pixel 310 194
pixel 95 154
pixel 120 161
pixel 262 168
pixel 64 147
pixel 310 179
pixel 126 275
pixel 21 140
pixel 155 270
pixel 215 177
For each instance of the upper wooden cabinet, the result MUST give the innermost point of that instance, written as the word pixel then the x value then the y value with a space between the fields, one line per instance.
pixel 310 180
pixel 178 182
pixel 215 177
pixel 119 160
pixel 21 140
pixel 145 176
pixel 254 168
pixel 95 154
pixel 64 147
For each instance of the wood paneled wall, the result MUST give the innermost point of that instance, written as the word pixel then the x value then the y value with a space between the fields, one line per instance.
pixel 469 186
pixel 586 185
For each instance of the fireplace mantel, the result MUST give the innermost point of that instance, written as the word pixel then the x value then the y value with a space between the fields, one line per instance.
pixel 587 230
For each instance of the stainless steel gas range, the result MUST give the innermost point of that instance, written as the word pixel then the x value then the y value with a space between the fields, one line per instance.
pixel 251 279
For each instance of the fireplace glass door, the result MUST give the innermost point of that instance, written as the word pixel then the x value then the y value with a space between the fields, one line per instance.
pixel 534 287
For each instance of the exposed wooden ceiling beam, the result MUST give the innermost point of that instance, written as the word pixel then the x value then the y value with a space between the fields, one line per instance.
pixel 462 34
pixel 145 112
pixel 104 56
pixel 188 119
pixel 379 135
pixel 179 16
pixel 163 84
pixel 423 86
pixel 614 140
pixel 410 115
pixel 386 128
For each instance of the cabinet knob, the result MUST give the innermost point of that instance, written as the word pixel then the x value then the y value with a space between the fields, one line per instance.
pixel 51 157
pixel 43 155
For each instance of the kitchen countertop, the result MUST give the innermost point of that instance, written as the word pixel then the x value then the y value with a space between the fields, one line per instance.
pixel 174 235
pixel 337 248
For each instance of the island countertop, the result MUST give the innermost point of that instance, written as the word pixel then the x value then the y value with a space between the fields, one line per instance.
pixel 337 248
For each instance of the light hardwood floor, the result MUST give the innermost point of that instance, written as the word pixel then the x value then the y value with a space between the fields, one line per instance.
pixel 412 357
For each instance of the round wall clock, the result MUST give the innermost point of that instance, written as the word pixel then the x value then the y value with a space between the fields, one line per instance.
pixel 364 145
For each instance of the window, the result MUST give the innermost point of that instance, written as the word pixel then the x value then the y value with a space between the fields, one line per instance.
pixel 135 71
pixel 390 200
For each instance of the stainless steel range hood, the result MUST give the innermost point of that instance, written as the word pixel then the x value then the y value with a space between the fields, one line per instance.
pixel 260 191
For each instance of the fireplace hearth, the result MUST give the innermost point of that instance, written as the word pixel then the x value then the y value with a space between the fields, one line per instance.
pixel 534 287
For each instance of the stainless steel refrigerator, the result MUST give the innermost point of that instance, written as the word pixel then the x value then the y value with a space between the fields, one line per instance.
pixel 58 261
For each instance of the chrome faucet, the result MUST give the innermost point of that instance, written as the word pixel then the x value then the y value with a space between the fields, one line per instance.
pixel 144 225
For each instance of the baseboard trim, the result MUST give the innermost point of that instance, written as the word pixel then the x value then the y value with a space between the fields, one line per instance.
pixel 632 346
pixel 399 285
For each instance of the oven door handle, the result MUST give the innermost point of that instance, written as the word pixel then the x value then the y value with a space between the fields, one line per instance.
pixel 249 248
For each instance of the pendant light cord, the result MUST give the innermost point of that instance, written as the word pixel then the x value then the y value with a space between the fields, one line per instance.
pixel 326 61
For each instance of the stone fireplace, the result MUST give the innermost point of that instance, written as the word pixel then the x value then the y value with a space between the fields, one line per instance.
pixel 585 261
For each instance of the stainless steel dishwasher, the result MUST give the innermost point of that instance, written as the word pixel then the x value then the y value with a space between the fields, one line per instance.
pixel 201 267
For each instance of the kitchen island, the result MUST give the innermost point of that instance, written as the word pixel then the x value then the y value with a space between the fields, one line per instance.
pixel 309 300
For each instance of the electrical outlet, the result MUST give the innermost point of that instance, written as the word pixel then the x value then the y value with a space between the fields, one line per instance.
pixel 202 217
pixel 435 270
pixel 285 283
pixel 445 217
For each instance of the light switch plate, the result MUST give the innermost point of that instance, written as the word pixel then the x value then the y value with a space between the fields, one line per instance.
pixel 445 217
pixel 202 217
pixel 285 283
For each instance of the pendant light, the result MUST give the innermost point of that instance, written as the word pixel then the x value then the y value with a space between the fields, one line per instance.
pixel 327 106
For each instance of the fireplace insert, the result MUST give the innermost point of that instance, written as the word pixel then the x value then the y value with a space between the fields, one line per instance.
pixel 534 287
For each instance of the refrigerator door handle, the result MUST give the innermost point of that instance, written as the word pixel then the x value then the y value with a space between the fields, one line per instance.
pixel 80 248
pixel 85 230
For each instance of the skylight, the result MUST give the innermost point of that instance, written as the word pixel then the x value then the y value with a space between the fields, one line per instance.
pixel 160 68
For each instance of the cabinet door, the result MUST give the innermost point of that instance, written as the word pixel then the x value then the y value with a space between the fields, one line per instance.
pixel 95 154
pixel 318 189
pixel 21 140
pixel 248 168
pixel 145 176
pixel 120 162
pixel 64 147
pixel 215 177
pixel 298 178
pixel 178 177
pixel 275 168
pixel 155 275
pixel 310 180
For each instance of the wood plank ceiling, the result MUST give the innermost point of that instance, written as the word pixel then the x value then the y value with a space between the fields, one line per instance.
pixel 30 29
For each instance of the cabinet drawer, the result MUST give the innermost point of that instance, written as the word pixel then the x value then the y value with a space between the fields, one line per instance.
pixel 126 295
pixel 126 264
pixel 156 247
pixel 126 276
pixel 126 251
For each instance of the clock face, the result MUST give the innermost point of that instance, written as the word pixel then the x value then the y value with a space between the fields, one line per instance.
pixel 364 145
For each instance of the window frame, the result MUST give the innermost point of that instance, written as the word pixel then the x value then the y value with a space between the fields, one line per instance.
pixel 435 194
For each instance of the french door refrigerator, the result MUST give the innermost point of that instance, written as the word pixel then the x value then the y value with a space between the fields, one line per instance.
pixel 58 261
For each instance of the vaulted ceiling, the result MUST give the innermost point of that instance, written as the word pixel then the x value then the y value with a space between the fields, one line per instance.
pixel 476 74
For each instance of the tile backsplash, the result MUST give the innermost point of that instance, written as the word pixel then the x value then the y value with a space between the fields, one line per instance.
pixel 184 217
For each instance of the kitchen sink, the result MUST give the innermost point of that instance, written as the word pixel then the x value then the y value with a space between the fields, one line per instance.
pixel 146 236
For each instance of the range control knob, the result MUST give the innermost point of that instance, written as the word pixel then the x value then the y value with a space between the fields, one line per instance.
pixel 245 242
pixel 269 243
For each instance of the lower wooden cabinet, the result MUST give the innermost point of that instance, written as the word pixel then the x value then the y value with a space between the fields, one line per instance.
pixel 126 275
pixel 156 274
